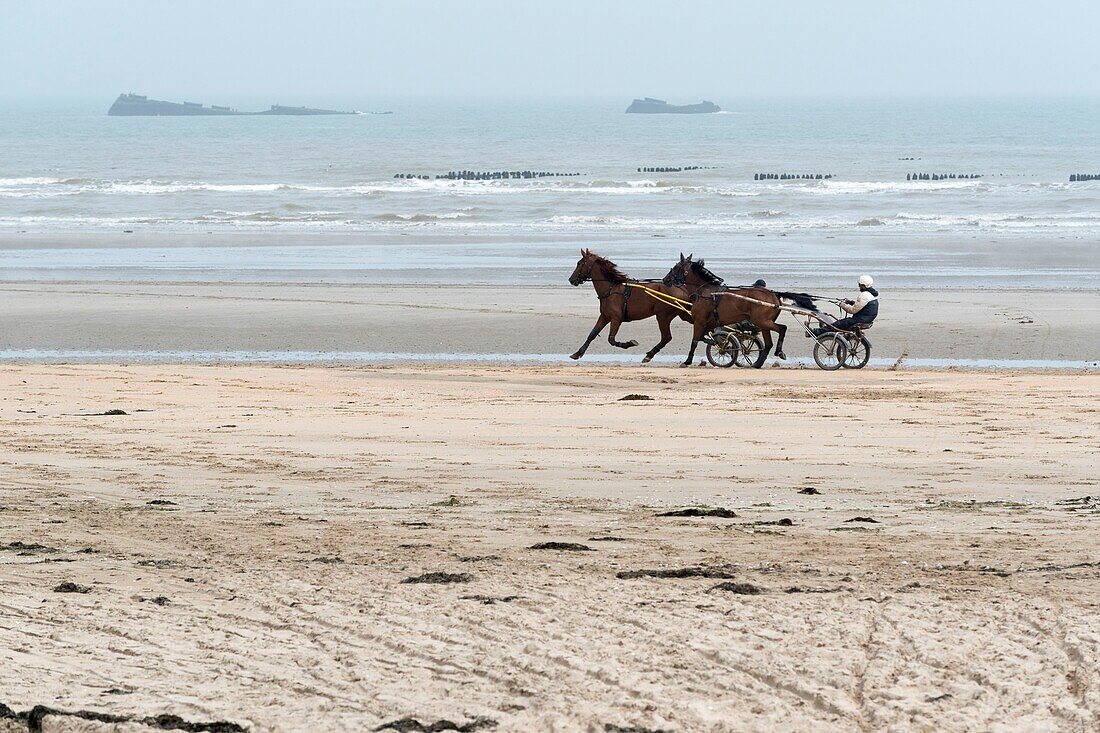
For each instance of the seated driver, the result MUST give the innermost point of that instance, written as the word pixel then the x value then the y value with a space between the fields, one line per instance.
pixel 862 311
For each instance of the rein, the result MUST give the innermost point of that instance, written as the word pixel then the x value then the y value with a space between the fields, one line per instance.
pixel 678 303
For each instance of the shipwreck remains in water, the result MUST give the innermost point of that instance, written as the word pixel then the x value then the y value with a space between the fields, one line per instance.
pixel 138 105
pixel 651 106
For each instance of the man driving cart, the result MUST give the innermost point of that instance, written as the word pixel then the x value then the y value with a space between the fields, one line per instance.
pixel 861 312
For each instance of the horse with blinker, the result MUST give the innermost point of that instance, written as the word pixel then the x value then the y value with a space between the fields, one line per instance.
pixel 713 305
pixel 619 303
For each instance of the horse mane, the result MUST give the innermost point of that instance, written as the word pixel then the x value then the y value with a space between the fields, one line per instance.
pixel 610 270
pixel 708 276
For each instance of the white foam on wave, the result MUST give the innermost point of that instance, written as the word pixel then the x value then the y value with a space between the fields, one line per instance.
pixel 997 220
pixel 288 216
pixel 767 221
pixel 160 188
pixel 50 187
pixel 419 217
pixel 835 187
pixel 28 181
pixel 47 187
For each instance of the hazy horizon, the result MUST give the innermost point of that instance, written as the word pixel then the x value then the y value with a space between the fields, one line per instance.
pixel 286 51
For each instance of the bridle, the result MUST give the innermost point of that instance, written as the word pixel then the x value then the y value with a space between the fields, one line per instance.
pixel 680 280
pixel 587 277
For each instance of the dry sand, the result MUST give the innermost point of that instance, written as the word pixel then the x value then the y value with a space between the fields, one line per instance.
pixel 269 590
pixel 949 324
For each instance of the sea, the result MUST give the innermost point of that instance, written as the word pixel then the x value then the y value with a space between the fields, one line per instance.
pixel 359 198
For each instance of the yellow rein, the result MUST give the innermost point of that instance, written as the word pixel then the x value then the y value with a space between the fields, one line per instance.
pixel 680 303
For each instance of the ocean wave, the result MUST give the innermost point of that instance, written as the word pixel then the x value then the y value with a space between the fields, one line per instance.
pixel 65 222
pixel 28 181
pixel 35 194
pixel 31 187
pixel 50 187
pixel 767 221
pixel 611 183
pixel 214 218
pixel 274 217
pixel 422 217
pixel 161 187
pixel 47 187
pixel 758 221
pixel 998 221
pixel 835 187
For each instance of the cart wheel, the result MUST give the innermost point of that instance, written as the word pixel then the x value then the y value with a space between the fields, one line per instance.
pixel 830 352
pixel 723 352
pixel 859 352
pixel 751 349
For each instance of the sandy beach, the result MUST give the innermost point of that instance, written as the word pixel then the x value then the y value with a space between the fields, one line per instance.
pixel 902 550
pixel 291 436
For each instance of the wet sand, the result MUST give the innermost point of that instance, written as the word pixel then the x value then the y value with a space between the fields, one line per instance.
pixel 549 320
pixel 245 534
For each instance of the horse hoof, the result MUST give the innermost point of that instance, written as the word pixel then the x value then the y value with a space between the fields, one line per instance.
pixel 685 365
pixel 646 359
pixel 574 357
pixel 631 344
pixel 781 355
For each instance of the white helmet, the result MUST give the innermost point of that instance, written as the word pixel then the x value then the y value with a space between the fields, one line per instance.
pixel 866 281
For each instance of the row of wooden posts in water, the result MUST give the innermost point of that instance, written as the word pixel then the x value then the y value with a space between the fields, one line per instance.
pixel 940 176
pixel 680 169
pixel 791 176
pixel 484 175
pixel 507 175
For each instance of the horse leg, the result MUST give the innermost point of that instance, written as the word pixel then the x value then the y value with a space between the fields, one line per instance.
pixel 663 322
pixel 600 323
pixel 614 331
pixel 766 334
pixel 782 329
pixel 696 335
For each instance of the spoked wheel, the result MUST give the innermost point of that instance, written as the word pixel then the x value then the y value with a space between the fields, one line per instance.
pixel 751 349
pixel 858 352
pixel 830 352
pixel 723 352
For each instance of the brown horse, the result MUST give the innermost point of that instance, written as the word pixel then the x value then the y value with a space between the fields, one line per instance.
pixel 713 304
pixel 620 302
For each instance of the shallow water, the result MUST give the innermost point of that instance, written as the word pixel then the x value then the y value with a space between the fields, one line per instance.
pixel 373 357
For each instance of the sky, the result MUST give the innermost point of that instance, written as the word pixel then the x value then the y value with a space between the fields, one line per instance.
pixel 683 50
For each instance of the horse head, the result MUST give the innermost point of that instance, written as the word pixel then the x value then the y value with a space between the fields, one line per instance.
pixel 583 270
pixel 678 274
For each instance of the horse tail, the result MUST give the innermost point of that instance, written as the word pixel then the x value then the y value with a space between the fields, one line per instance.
pixel 802 300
